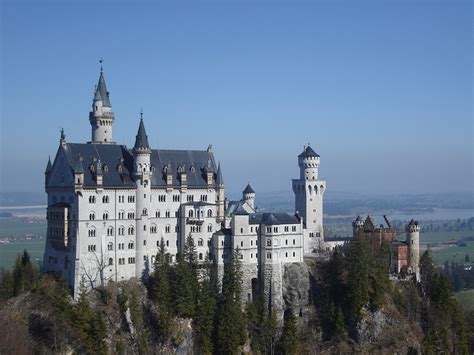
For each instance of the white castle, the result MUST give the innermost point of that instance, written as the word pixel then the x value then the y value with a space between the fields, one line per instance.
pixel 110 206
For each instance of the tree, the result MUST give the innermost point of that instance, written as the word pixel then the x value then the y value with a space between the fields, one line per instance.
pixel 206 308
pixel 467 259
pixel 231 325
pixel 358 260
pixel 290 337
pixel 160 283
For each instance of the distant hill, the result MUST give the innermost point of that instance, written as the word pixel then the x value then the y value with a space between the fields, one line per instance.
pixel 22 198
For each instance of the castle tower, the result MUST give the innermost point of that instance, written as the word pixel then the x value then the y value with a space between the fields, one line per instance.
pixel 220 198
pixel 357 225
pixel 101 117
pixel 142 174
pixel 309 191
pixel 412 230
pixel 249 196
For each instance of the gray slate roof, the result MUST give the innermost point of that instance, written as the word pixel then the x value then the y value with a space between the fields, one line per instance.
pixel 248 190
pixel 48 166
pixel 308 152
pixel 219 179
pixel 141 139
pixel 112 155
pixel 101 93
pixel 271 219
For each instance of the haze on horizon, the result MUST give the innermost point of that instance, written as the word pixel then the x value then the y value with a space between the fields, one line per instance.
pixel 381 90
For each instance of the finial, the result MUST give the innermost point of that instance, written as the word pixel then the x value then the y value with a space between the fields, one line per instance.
pixel 63 136
pixel 100 61
pixel 141 113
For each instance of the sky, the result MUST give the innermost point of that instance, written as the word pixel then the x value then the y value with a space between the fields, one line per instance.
pixel 382 90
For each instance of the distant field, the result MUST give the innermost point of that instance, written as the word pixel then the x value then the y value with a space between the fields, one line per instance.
pixel 14 227
pixel 449 252
pixel 8 252
pixel 466 299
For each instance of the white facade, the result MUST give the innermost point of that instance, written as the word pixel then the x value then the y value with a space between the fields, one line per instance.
pixel 109 207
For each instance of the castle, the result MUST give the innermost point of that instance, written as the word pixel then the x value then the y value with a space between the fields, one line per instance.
pixel 404 255
pixel 110 206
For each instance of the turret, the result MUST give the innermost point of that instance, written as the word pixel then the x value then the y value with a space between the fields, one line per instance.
pixel 412 230
pixel 249 196
pixel 101 117
pixel 357 225
pixel 308 161
pixel 220 198
pixel 142 174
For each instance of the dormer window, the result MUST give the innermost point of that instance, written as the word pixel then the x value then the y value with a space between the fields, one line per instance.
pixel 192 169
pixel 120 168
pixel 105 168
pixel 92 168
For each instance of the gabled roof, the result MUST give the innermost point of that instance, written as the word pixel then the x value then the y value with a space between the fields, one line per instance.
pixel 101 93
pixel 248 190
pixel 141 139
pixel 308 152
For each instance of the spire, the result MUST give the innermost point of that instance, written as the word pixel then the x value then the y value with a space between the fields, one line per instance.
pixel 308 152
pixel 219 179
pixel 141 140
pixel 48 166
pixel 101 93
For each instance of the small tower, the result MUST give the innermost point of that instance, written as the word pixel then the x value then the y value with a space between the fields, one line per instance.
pixel 220 198
pixel 309 191
pixel 249 196
pixel 101 117
pixel 357 225
pixel 142 175
pixel 412 230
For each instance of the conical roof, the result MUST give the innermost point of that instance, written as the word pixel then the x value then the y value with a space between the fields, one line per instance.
pixel 248 190
pixel 141 140
pixel 101 93
pixel 308 152
pixel 219 179
pixel 48 166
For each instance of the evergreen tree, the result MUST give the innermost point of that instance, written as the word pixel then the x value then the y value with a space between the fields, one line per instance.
pixel 206 308
pixel 467 259
pixel 358 260
pixel 160 278
pixel 184 285
pixel 290 337
pixel 231 325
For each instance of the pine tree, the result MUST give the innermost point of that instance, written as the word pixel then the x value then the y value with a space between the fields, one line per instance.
pixel 290 337
pixel 358 260
pixel 206 308
pixel 160 278
pixel 231 325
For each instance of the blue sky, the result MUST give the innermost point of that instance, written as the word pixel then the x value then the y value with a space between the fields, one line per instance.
pixel 381 89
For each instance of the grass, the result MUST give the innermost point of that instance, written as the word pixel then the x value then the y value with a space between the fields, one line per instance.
pixel 8 252
pixel 466 299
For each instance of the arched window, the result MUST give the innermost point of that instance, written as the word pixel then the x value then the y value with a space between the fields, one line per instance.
pixel 315 189
pixel 200 242
pixel 168 213
pixel 153 229
pixel 131 230
pixel 111 261
pixel 200 256
pixel 105 199
pixel 91 216
pixel 310 189
pixel 110 246
pixel 105 168
pixel 91 199
pixel 157 214
pixel 209 213
pixel 91 232
pixel 167 228
pixel 144 212
pixel 105 216
pixel 110 230
pixel 130 245
pixel 121 230
pixel 209 228
pixel 119 168
pixel 190 213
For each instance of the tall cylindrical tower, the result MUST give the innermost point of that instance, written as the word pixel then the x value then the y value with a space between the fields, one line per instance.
pixel 101 117
pixel 249 196
pixel 142 174
pixel 412 230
